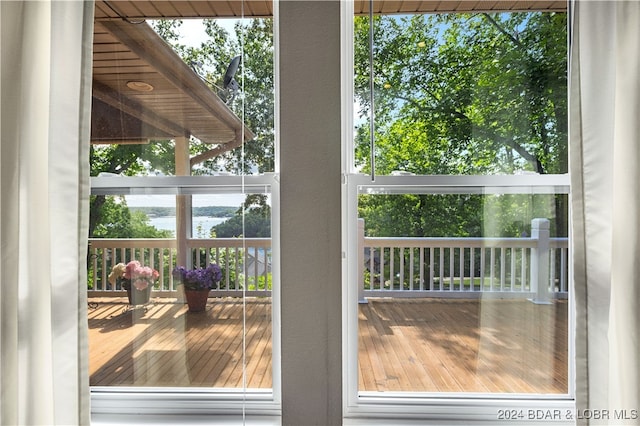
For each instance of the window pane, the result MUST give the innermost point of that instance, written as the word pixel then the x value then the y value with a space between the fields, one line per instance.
pixel 465 293
pixel 463 94
pixel 465 285
pixel 181 98
pixel 197 100
pixel 143 334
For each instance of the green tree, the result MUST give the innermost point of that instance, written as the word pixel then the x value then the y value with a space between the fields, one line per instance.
pixel 127 160
pixel 120 222
pixel 461 94
pixel 252 220
pixel 254 104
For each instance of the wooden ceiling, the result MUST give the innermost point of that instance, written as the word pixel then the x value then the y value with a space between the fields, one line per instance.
pixel 438 6
pixel 153 9
pixel 179 104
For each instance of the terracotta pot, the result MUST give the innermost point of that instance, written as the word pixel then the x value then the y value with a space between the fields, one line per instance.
pixel 138 297
pixel 196 299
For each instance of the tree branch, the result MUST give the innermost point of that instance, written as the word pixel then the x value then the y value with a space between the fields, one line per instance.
pixel 503 31
pixel 534 160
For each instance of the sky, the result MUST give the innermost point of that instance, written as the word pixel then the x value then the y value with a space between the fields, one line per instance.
pixel 192 30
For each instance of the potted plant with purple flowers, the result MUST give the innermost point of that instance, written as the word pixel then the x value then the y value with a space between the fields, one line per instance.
pixel 197 283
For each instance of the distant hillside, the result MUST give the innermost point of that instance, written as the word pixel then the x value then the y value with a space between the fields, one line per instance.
pixel 208 211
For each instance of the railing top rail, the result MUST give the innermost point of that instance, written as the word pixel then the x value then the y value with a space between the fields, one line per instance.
pixel 229 242
pixel 171 242
pixel 559 242
pixel 133 242
pixel 368 241
pixel 450 242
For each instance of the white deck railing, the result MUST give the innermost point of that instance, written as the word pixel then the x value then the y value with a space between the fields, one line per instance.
pixel 533 267
pixel 246 264
pixel 460 267
pixel 536 267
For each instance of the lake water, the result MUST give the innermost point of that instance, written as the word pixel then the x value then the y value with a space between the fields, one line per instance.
pixel 169 223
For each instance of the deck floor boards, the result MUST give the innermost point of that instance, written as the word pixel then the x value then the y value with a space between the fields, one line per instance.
pixel 424 345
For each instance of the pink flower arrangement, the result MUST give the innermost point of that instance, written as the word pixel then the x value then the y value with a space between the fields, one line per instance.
pixel 133 273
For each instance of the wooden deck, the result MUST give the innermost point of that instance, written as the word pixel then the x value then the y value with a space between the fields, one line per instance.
pixel 455 345
pixel 430 345
pixel 164 345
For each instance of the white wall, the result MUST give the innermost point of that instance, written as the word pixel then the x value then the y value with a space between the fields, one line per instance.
pixel 309 134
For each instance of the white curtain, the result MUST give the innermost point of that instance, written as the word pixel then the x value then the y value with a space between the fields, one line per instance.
pixel 605 172
pixel 46 89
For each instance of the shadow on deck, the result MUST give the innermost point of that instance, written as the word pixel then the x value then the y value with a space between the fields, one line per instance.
pixel 428 345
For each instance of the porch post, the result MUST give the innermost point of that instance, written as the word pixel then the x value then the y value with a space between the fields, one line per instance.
pixel 540 261
pixel 361 298
pixel 183 203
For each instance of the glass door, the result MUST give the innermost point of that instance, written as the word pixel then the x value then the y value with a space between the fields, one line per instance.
pixel 183 194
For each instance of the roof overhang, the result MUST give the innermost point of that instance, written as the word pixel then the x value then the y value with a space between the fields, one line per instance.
pixel 143 90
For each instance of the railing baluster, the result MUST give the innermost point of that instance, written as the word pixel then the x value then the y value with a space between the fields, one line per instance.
pixel 472 284
pixel 94 266
pixel 237 285
pixel 452 273
pixel 512 284
pixel 482 267
pixel 492 266
pixel 441 269
pixel 255 268
pixel 172 285
pixel 152 259
pixel 503 269
pixel 552 271
pixel 526 285
pixel 461 265
pixel 431 255
pixel 227 268
pixel 401 272
pixel 563 270
pixel 411 265
pixel 382 268
pixel 391 269
pixel 421 248
pixel 371 270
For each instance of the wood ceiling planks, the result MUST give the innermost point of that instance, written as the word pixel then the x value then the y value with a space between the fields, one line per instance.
pixel 141 9
pixel 180 102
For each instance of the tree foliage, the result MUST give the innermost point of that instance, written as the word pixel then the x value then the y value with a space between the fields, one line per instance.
pixel 120 222
pixel 465 94
pixel 253 41
pixel 454 94
pixel 462 94
pixel 252 220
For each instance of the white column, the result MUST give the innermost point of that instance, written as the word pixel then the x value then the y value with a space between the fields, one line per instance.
pixel 183 203
pixel 540 261
pixel 308 71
